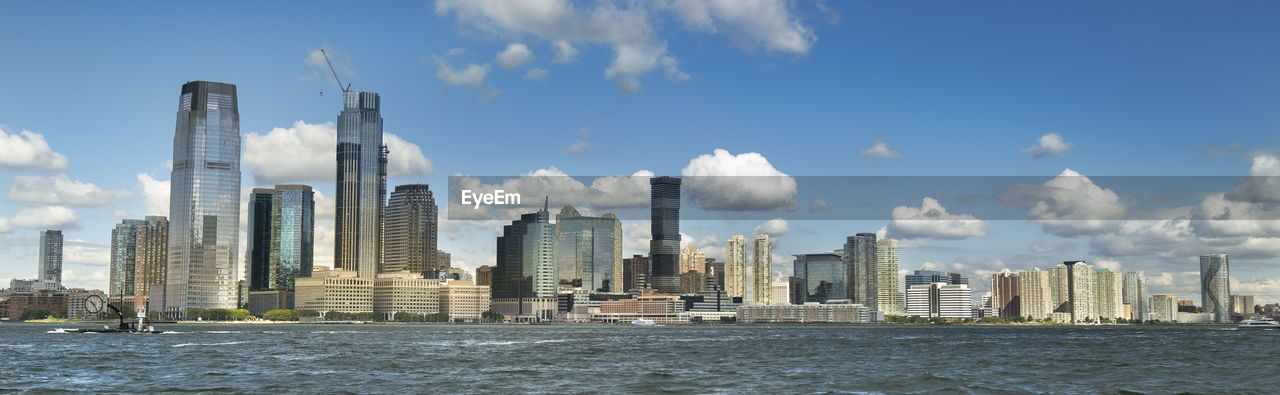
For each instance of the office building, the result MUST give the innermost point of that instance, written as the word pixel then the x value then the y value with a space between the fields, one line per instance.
pixel 590 250
pixel 692 282
pixel 152 263
pixel 281 237
pixel 940 300
pixel 1215 286
pixel 484 275
pixel 926 277
pixel 714 269
pixel 1135 295
pixel 123 271
pixel 635 274
pixel 526 265
pixel 664 247
pixel 762 270
pixel 50 264
pixel 957 279
pixel 463 300
pixel 405 292
pixel 258 238
pixel 411 232
pixel 833 313
pixel 1035 295
pixel 735 266
pixel 204 201
pixel 343 291
pixel 891 300
pixel 691 260
pixel 860 257
pixel 781 293
pixel 819 278
pixel 361 185
pixel 1164 308
pixel 1109 294
pixel 1005 300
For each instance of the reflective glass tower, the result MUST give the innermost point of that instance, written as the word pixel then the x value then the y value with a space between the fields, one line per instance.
pixel 819 278
pixel 51 257
pixel 590 250
pixel 281 236
pixel 258 253
pixel 361 185
pixel 664 247
pixel 860 257
pixel 204 200
pixel 1135 295
pixel 1215 286
pixel 411 232
pixel 124 257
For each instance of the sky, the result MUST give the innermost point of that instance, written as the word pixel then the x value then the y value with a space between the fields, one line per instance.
pixel 1070 93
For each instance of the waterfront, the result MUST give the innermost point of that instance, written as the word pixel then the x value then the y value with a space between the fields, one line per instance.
pixel 697 359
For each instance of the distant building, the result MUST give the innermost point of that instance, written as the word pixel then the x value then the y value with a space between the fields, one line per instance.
pixel 1242 305
pixel 410 236
pixel 589 250
pixel 664 246
pixel 1109 294
pixel 484 275
pixel 692 260
pixel 835 312
pixel 1215 286
pixel 50 270
pixel 527 264
pixel 819 278
pixel 1035 299
pixel 762 270
pixel 19 302
pixel 464 301
pixel 926 277
pixel 335 290
pixel 692 282
pixel 714 269
pixel 891 299
pixel 361 186
pixel 123 272
pixel 1005 300
pixel 444 259
pixel 735 266
pixel 781 294
pixel 940 300
pixel 635 273
pixel 1135 295
pixel 1164 308
pixel 860 259
pixel 715 299
pixel 281 236
pixel 405 292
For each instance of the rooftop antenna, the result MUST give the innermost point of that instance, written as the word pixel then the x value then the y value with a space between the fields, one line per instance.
pixel 337 80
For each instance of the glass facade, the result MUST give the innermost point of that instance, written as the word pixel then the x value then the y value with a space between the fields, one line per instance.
pixel 124 257
pixel 664 247
pixel 1135 295
pixel 361 185
pixel 411 232
pixel 204 200
pixel 590 250
pixel 526 265
pixel 51 257
pixel 1215 286
pixel 258 253
pixel 819 278
pixel 293 218
pixel 860 257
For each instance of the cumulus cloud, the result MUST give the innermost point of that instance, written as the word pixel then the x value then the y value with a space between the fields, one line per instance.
pixel 83 252
pixel 1263 183
pixel 774 227
pixel 564 51
pixel 470 76
pixel 305 152
pixel 515 55
pixel 537 74
pixel 44 217
pixel 767 23
pixel 1218 216
pixel 1070 204
pixel 60 190
pixel 743 182
pixel 580 145
pixel 1050 144
pixel 29 150
pixel 879 149
pixel 156 193
pixel 931 220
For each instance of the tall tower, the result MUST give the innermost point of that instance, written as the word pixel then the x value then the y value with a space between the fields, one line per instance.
pixel 293 218
pixel 257 255
pixel 50 257
pixel 204 200
pixel 152 265
pixel 361 185
pixel 526 261
pixel 860 257
pixel 735 266
pixel 1215 286
pixel 124 258
pixel 889 298
pixel 589 251
pixel 762 270
pixel 411 232
pixel 664 247
pixel 1135 295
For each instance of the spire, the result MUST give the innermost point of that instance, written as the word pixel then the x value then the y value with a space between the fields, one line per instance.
pixel 546 204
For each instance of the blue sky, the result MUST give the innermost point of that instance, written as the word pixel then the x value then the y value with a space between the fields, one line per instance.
pixel 1132 88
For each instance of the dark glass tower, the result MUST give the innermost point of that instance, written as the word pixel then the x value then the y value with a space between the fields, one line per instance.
pixel 281 236
pixel 664 247
pixel 258 253
pixel 526 261
pixel 860 263
pixel 411 232
pixel 124 257
pixel 361 185
pixel 204 200
pixel 51 257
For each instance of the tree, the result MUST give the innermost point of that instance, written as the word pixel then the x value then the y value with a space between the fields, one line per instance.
pixel 281 315
pixel 241 315
pixel 36 314
pixel 195 313
pixel 493 316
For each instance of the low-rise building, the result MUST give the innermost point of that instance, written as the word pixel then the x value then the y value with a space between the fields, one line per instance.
pixel 839 311
pixel 463 300
pixel 334 290
pixel 405 292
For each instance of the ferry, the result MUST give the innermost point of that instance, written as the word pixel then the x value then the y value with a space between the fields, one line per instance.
pixel 1261 323
pixel 642 322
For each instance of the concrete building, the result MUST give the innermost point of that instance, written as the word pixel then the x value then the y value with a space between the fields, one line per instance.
pixel 405 292
pixel 735 266
pixel 463 300
pixel 860 258
pixel 890 298
pixel 762 270
pixel 1164 308
pixel 692 282
pixel 19 302
pixel 1215 286
pixel 484 275
pixel 1109 294
pixel 635 273
pixel 410 235
pixel 1136 297
pixel 940 300
pixel 781 294
pixel 692 260
pixel 335 290
pixel 526 309
pixel 833 313
pixel 1241 305
pixel 1035 298
pixel 1005 300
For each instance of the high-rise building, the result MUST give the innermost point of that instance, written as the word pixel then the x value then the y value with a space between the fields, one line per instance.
pixel 664 247
pixel 691 260
pixel 1109 294
pixel 819 278
pixel 1035 296
pixel 1081 291
pixel 1164 308
pixel 410 237
pixel 714 270
pixel 590 250
pixel 50 264
pixel 1242 305
pixel 281 236
pixel 860 257
pixel 1135 295
pixel 926 277
pixel 527 263
pixel 1004 294
pixel 1215 286
pixel 957 279
pixel 257 253
pixel 762 270
pixel 204 201
pixel 444 259
pixel 635 274
pixel 891 300
pixel 735 267
pixel 940 300
pixel 1058 288
pixel 124 258
pixel 484 275
pixel 361 185
pixel 152 264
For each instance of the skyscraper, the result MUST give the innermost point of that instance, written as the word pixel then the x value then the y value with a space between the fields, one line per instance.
pixel 691 260
pixel 1004 294
pixel 635 274
pixel 860 257
pixel 152 265
pixel 735 266
pixel 1215 286
pixel 1081 291
pixel 361 185
pixel 412 232
pixel 293 218
pixel 124 258
pixel 1109 294
pixel 50 264
pixel 890 299
pixel 590 250
pixel 526 262
pixel 819 278
pixel 258 242
pixel 1035 296
pixel 762 270
pixel 664 247
pixel 204 200
pixel 1135 295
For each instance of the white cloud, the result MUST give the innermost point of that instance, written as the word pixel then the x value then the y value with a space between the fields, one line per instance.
pixel 1050 144
pixel 1107 263
pixel 29 150
pixel 156 193
pixel 471 76
pixel 564 51
pixel 743 182
pixel 93 278
pixel 879 149
pixel 44 217
pixel 515 55
pixel 931 220
pixel 819 205
pixel 82 252
pixel 765 22
pixel 580 145
pixel 774 227
pixel 456 51
pixel 1263 183
pixel 341 63
pixel 1072 205
pixel 60 190
pixel 604 193
pixel 305 152
pixel 537 74
pixel 326 207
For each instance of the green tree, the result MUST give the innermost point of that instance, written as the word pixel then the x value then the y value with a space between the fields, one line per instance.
pixel 493 316
pixel 195 313
pixel 241 315
pixel 35 314
pixel 307 313
pixel 281 315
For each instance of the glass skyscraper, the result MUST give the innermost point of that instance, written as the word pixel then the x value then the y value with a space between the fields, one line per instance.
pixel 1215 286
pixel 50 258
pixel 860 257
pixel 664 247
pixel 361 185
pixel 1135 295
pixel 281 236
pixel 819 278
pixel 204 200
pixel 590 250
pixel 411 232
pixel 124 257
pixel 258 253
pixel 526 261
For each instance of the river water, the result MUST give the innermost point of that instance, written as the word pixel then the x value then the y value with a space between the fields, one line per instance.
pixel 612 359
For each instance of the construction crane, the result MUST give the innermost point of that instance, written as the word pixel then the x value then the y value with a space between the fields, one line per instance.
pixel 337 80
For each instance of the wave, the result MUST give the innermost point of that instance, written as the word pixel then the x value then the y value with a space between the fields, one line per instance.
pixel 15 345
pixel 206 344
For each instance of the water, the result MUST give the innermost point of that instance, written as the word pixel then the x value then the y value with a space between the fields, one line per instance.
pixel 612 359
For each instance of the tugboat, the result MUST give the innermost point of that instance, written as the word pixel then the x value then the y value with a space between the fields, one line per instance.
pixel 93 304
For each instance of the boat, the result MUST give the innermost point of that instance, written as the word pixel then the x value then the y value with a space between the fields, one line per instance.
pixel 642 322
pixel 94 304
pixel 1261 323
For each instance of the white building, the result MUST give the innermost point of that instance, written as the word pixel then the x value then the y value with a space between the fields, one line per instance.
pixel 1109 294
pixel 1035 299
pixel 940 300
pixel 405 292
pixel 463 300
pixel 888 296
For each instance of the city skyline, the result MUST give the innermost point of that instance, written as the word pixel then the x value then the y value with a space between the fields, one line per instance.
pixel 89 195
